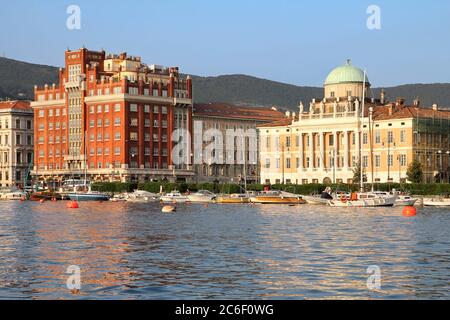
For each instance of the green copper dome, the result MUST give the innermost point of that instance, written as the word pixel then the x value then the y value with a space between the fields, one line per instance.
pixel 346 73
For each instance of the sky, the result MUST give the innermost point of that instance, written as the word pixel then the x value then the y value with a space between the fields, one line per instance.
pixel 291 41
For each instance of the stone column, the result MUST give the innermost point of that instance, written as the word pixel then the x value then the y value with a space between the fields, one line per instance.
pixel 322 150
pixel 357 147
pixel 336 149
pixel 311 150
pixel 300 151
pixel 346 150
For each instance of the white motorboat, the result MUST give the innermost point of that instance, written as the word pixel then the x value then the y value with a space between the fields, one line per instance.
pixel 315 200
pixel 436 202
pixel 401 201
pixel 319 200
pixel 14 195
pixel 404 200
pixel 202 196
pixel 121 197
pixel 174 197
pixel 141 196
pixel 364 199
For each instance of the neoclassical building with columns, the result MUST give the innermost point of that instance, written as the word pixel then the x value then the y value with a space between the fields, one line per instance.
pixel 327 141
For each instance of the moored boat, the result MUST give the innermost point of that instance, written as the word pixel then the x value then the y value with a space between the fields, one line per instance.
pixel 88 196
pixel 174 197
pixel 319 200
pixel 364 199
pixel 401 200
pixel 14 195
pixel 436 202
pixel 277 197
pixel 202 196
pixel 141 196
pixel 233 198
pixel 406 201
pixel 45 195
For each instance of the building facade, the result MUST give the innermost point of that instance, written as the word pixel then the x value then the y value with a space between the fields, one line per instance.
pixel 111 117
pixel 16 143
pixel 326 143
pixel 229 118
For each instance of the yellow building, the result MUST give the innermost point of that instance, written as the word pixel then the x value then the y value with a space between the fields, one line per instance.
pixel 326 143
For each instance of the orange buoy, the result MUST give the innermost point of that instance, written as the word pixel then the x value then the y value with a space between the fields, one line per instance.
pixel 168 209
pixel 409 211
pixel 72 204
pixel 53 199
pixel 42 200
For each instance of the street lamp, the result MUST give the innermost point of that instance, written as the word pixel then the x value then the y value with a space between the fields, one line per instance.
pixel 448 166
pixel 332 154
pixel 132 155
pixel 440 165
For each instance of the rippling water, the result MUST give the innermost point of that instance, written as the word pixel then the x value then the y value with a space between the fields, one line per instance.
pixel 133 251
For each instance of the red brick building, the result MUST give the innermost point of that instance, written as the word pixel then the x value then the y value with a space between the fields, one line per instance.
pixel 113 115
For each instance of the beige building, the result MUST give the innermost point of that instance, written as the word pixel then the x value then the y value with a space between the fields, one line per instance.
pixel 223 117
pixel 325 143
pixel 16 143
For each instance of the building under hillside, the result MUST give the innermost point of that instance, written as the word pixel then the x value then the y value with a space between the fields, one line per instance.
pixel 322 144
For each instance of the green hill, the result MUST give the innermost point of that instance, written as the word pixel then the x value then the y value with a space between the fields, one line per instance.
pixel 17 80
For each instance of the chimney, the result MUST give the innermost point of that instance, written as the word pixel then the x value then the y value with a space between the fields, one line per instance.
pixel 400 102
pixel 390 108
pixel 417 103
pixel 435 107
pixel 383 96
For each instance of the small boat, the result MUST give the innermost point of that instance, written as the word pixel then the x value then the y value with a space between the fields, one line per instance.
pixel 277 197
pixel 45 195
pixel 14 195
pixel 121 197
pixel 202 196
pixel 315 200
pixel 88 196
pixel 322 200
pixel 436 202
pixel 141 196
pixel 363 199
pixel 174 197
pixel 402 200
pixel 406 201
pixel 233 198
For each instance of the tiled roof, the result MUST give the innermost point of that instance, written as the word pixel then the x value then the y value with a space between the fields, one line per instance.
pixel 407 112
pixel 279 123
pixel 225 110
pixel 16 105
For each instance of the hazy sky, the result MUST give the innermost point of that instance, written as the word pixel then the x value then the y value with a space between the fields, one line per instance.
pixel 290 41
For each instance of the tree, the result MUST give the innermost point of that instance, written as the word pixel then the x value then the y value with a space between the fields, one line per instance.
pixel 415 172
pixel 357 174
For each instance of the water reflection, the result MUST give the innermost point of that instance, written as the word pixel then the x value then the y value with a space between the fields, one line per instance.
pixel 220 251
